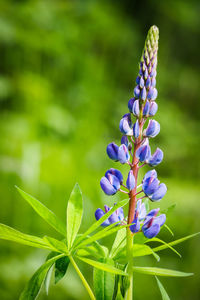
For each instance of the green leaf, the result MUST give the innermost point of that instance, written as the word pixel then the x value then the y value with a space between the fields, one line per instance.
pixel 101 220
pixel 44 212
pixel 159 248
pixel 162 290
pixel 169 209
pixel 169 229
pixel 56 245
pixel 74 214
pixel 160 272
pixel 103 266
pixel 34 285
pixel 104 282
pixel 61 266
pixel 119 242
pixel 166 244
pixel 11 234
pixel 47 280
pixel 103 233
pixel 142 250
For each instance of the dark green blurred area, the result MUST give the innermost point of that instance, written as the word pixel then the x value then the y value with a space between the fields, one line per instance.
pixel 67 71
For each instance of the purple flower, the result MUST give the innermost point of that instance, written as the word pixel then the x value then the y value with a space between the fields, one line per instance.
pixel 124 140
pixel 135 227
pixel 141 83
pixel 130 182
pixel 136 129
pixel 123 154
pixel 153 108
pixel 136 108
pixel 159 193
pixel 137 91
pixel 115 172
pixel 148 82
pixel 125 125
pixel 130 104
pixel 143 153
pixel 152 224
pixel 156 158
pixel 140 213
pixel 112 151
pixel 153 129
pixel 117 216
pixel 143 94
pixel 146 109
pixel 110 183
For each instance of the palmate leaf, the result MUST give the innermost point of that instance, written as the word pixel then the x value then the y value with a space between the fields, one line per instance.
pixel 74 214
pixel 101 220
pixel 162 290
pixel 56 245
pixel 160 272
pixel 104 282
pixel 103 266
pixel 11 234
pixel 44 212
pixel 34 285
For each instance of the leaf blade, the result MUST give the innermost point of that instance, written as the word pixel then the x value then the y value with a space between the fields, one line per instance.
pixel 74 214
pixel 162 290
pixel 44 212
pixel 160 272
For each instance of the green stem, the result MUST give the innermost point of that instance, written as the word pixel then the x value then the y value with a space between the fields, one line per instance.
pixel 129 293
pixel 86 285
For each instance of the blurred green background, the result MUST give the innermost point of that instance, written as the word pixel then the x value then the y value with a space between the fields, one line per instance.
pixel 67 71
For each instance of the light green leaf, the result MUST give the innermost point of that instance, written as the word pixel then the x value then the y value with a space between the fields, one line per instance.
pixel 169 229
pixel 101 220
pixel 166 244
pixel 103 266
pixel 11 234
pixel 74 214
pixel 103 233
pixel 162 290
pixel 104 282
pixel 56 245
pixel 160 272
pixel 142 250
pixel 34 285
pixel 47 280
pixel 119 242
pixel 159 248
pixel 44 212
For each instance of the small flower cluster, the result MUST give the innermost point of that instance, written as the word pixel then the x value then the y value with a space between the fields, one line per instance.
pixel 135 149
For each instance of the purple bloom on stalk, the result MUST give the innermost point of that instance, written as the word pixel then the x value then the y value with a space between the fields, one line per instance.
pixel 153 109
pixel 152 188
pixel 140 213
pixel 117 216
pixel 137 91
pixel 115 172
pixel 110 183
pixel 123 154
pixel 146 109
pixel 143 94
pixel 153 129
pixel 143 153
pixel 130 104
pixel 136 129
pixel 125 125
pixel 124 140
pixel 136 108
pixel 156 158
pixel 130 182
pixel 152 224
pixel 112 151
pixel 159 193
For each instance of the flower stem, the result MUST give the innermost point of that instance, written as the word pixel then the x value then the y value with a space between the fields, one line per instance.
pixel 86 285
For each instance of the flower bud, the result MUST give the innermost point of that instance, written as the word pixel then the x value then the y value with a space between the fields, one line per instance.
pixel 143 94
pixel 130 182
pixel 137 91
pixel 136 108
pixel 143 153
pixel 146 109
pixel 123 154
pixel 148 82
pixel 153 109
pixel 116 173
pixel 156 158
pixel 130 104
pixel 141 82
pixel 124 140
pixel 112 151
pixel 153 82
pixel 153 129
pixel 126 124
pixel 136 129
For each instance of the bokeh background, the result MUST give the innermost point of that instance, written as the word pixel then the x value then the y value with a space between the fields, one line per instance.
pixel 67 71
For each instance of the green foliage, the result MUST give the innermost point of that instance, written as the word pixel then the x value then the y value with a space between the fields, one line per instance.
pixel 104 282
pixel 162 290
pixel 160 272
pixel 74 214
pixel 61 266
